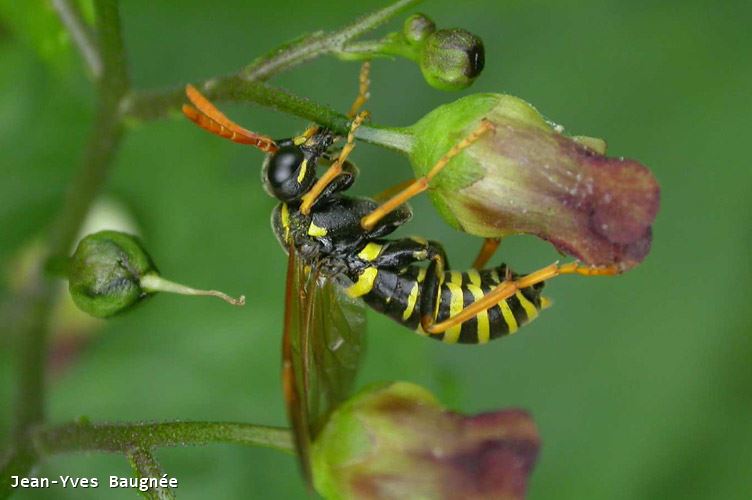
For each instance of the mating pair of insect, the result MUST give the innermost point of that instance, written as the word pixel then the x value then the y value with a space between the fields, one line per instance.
pixel 338 254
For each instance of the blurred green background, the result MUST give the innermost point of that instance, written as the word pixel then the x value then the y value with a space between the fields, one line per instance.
pixel 641 385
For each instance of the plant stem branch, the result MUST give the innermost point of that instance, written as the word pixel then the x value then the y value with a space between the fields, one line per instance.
pixel 105 134
pixel 71 17
pixel 146 466
pixel 32 311
pixel 119 438
pixel 17 462
pixel 234 88
pixel 134 440
pixel 319 43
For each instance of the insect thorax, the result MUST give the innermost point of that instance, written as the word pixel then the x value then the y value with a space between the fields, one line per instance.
pixel 332 231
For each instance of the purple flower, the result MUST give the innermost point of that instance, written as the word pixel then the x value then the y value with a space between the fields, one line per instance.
pixel 526 176
pixel 396 441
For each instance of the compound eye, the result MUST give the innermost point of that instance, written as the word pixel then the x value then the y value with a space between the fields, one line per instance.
pixel 282 171
pixel 283 165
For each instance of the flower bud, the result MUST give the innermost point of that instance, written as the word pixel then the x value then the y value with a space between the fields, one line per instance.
pixel 111 271
pixel 396 441
pixel 451 59
pixel 105 273
pixel 525 176
pixel 417 28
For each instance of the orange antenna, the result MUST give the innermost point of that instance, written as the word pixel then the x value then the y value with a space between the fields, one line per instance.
pixel 208 117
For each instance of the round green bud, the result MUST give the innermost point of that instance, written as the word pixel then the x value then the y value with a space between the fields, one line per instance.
pixel 105 272
pixel 417 28
pixel 452 59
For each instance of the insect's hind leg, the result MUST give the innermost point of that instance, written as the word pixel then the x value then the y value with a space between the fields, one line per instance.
pixel 508 288
pixel 419 185
pixel 490 245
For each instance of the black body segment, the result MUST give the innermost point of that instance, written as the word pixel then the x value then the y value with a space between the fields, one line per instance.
pixel 398 293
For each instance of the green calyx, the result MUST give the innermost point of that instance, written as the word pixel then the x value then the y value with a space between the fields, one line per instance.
pixel 446 126
pixel 369 429
pixel 105 272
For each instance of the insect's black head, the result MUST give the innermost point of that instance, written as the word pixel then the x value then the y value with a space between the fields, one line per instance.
pixel 290 171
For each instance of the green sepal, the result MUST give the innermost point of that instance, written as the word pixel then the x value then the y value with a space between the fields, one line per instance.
pixel 347 436
pixel 441 129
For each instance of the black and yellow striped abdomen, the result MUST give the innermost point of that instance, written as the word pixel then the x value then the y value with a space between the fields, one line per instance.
pixel 397 294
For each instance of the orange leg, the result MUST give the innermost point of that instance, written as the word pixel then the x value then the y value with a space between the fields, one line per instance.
pixel 508 288
pixel 419 185
pixel 391 191
pixel 335 169
pixel 364 83
pixel 490 245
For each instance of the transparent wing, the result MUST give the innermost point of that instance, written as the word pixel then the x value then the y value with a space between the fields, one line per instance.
pixel 292 369
pixel 321 349
pixel 337 337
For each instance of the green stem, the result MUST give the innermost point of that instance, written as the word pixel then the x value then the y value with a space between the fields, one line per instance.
pixel 236 89
pixel 389 46
pixel 17 462
pixel 397 139
pixel 146 466
pixel 81 34
pixel 133 440
pixel 319 43
pixel 32 309
pixel 118 438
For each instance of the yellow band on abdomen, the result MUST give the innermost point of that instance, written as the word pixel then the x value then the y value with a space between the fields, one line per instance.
pixel 364 283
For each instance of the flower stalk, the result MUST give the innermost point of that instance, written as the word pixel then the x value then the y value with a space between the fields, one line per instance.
pixel 152 283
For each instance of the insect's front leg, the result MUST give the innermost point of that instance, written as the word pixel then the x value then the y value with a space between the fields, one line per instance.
pixel 342 182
